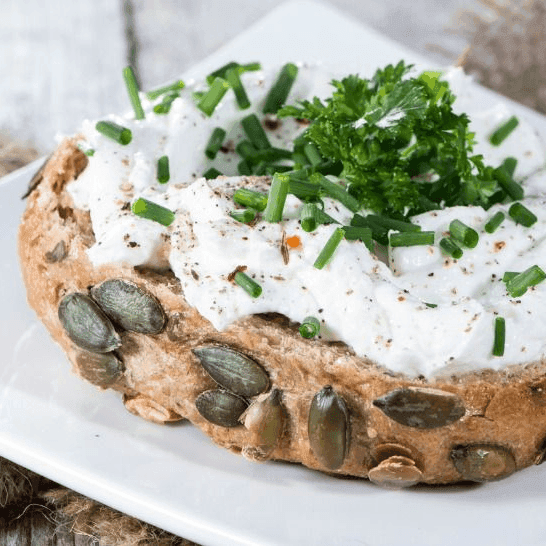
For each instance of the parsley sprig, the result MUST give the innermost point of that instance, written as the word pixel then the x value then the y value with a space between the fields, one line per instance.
pixel 403 148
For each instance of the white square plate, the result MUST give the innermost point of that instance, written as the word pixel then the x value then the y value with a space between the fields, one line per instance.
pixel 173 476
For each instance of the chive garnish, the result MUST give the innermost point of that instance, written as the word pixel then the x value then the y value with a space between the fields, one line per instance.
pixel 312 154
pixel 132 90
pixel 210 100
pixel 503 131
pixel 329 248
pixel 500 336
pixel 232 77
pixel 276 198
pixel 450 248
pixel 164 107
pixel 255 132
pixel 509 275
pixel 379 232
pixel 391 223
pixel 518 285
pixel 251 287
pixel 245 216
pixel 431 305
pixel 507 183
pixel 245 149
pixel 176 86
pixel 310 327
pixel 90 152
pixel 308 217
pixel 522 215
pixel 492 224
pixel 116 132
pixel 273 169
pixel 335 191
pixel 364 234
pixel 463 234
pixel 244 168
pixel 212 173
pixel 163 174
pixel 152 211
pixel 215 142
pixel 221 72
pixel 281 88
pixel 302 189
pixel 250 198
pixel 509 165
pixel 411 238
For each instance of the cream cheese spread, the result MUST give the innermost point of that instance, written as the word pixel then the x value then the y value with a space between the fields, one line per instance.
pixel 379 310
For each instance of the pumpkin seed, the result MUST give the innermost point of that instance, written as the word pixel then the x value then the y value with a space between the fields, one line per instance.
pixel 232 370
pixel 395 472
pixel 130 306
pixel 103 370
pixel 86 325
pixel 221 407
pixel 421 407
pixel 483 462
pixel 37 177
pixel 58 254
pixel 328 428
pixel 149 409
pixel 264 419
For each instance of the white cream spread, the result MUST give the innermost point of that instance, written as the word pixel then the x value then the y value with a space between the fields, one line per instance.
pixel 379 311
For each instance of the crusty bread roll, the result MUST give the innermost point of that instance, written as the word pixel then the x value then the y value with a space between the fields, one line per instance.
pixel 259 388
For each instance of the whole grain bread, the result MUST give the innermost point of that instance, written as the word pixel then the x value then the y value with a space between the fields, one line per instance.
pixel 321 406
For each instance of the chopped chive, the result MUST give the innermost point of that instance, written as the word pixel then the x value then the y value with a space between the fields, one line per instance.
pixel 302 189
pixel 116 132
pixel 163 174
pixel 152 211
pixel 517 286
pixel 210 100
pixel 273 169
pixel 391 223
pixel 90 152
pixel 500 336
pixel 503 131
pixel 323 218
pixel 244 168
pixel 245 149
pixel 276 198
pixel 250 198
pixel 509 275
pixel 270 154
pixel 156 93
pixel 507 183
pixel 329 248
pixel 463 234
pixel 255 132
pixel 364 234
pixel 164 107
pixel 251 287
pixel 336 191
pixel 379 232
pixel 312 154
pixel 411 238
pixel 310 327
pixel 492 224
pixel 221 72
pixel 281 88
pixel 215 142
pixel 232 77
pixel 431 305
pixel 198 95
pixel 132 90
pixel 245 216
pixel 509 165
pixel 308 217
pixel 450 248
pixel 260 169
pixel 522 215
pixel 212 173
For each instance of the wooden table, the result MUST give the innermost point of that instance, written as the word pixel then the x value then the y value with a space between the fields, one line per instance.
pixel 61 62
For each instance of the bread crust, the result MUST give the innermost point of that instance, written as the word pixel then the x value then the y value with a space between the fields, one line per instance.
pixel 501 415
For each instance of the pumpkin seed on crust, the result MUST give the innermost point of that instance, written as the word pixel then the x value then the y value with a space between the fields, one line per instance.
pixel 483 462
pixel 100 369
pixel 221 407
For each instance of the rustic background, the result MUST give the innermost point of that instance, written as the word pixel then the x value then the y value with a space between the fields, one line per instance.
pixel 61 62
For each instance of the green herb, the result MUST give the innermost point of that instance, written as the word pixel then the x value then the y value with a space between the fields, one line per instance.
pixel 450 248
pixel 276 198
pixel 255 132
pixel 246 149
pixel 331 189
pixel 152 211
pixel 494 222
pixel 379 231
pixel 210 100
pixel 502 132
pixel 215 142
pixel 244 167
pixel 212 173
pixel 500 336
pixel 233 78
pixel 329 248
pixel 509 275
pixel 132 90
pixel 221 72
pixel 301 188
pixel 245 216
pixel 163 174
pixel 312 154
pixel 164 107
pixel 281 88
pixel 391 223
pixel 431 305
pixel 522 215
pixel 116 132
pixel 309 217
pixel 310 327
pixel 518 285
pixel 364 234
pixel 156 93
pixel 250 198
pixel 251 287
pixel 507 183
pixel 463 234
pixel 411 238
pixel 90 152
pixel 509 165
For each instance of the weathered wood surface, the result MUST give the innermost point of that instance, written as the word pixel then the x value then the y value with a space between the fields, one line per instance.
pixel 61 62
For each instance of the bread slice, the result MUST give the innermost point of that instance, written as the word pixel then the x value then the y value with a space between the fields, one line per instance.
pixel 259 388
